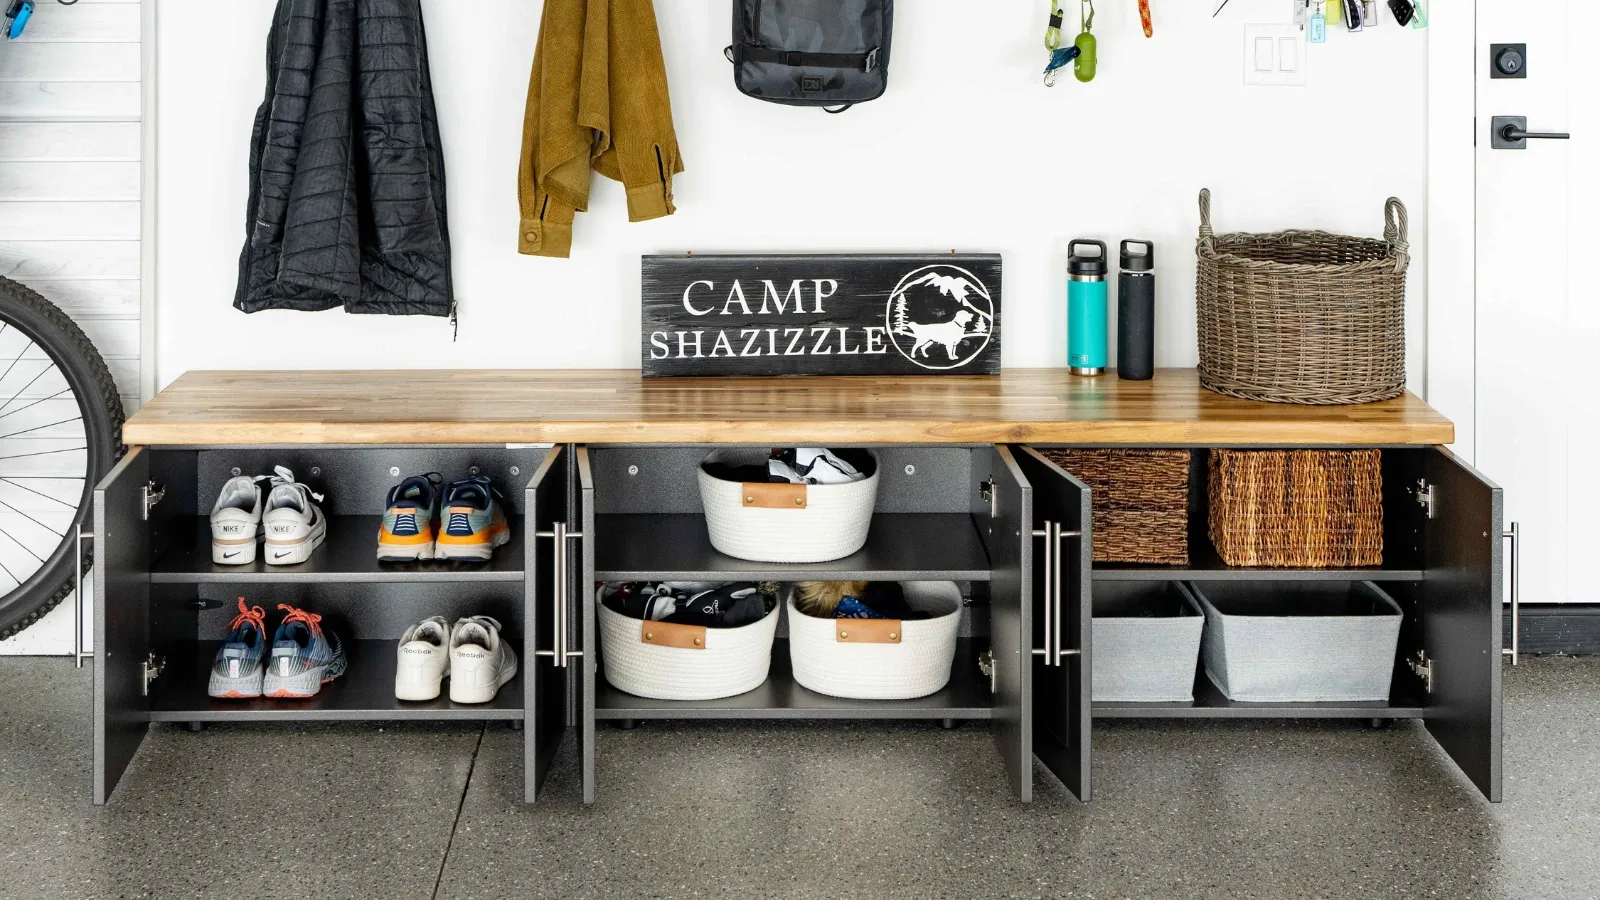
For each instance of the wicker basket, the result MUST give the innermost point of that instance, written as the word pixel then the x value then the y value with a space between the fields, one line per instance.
pixel 1141 502
pixel 886 659
pixel 1312 509
pixel 664 662
pixel 785 523
pixel 1303 316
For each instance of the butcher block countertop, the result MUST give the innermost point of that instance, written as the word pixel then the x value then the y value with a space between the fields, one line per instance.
pixel 619 406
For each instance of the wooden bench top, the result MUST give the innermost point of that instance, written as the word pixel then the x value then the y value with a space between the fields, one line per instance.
pixel 619 406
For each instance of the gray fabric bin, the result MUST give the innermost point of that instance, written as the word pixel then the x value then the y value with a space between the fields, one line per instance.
pixel 1146 639
pixel 1299 642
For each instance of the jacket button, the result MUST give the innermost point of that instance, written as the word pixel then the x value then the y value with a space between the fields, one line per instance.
pixel 532 236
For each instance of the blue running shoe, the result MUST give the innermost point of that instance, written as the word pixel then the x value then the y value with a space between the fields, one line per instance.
pixel 410 519
pixel 236 673
pixel 474 523
pixel 304 656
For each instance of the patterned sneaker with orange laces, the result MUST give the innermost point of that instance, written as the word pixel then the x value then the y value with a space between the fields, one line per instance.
pixel 304 656
pixel 474 523
pixel 236 673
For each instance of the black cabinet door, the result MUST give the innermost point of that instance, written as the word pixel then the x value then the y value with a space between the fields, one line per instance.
pixel 1461 616
pixel 1004 508
pixel 586 639
pixel 547 600
pixel 121 620
pixel 1061 659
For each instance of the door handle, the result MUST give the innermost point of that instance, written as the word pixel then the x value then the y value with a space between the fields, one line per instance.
pixel 1511 133
pixel 1514 534
pixel 561 640
pixel 1054 536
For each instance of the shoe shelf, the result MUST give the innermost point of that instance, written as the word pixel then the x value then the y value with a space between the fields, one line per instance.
pixel 900 547
pixel 1205 565
pixel 365 692
pixel 1209 703
pixel 966 697
pixel 349 554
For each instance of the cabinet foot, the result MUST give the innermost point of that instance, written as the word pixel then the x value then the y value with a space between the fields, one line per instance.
pixel 195 726
pixel 950 724
pixel 1379 724
pixel 516 724
pixel 626 724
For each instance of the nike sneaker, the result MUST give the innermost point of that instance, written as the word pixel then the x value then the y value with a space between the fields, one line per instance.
pixel 424 660
pixel 236 673
pixel 305 656
pixel 480 661
pixel 474 522
pixel 294 524
pixel 236 522
pixel 411 519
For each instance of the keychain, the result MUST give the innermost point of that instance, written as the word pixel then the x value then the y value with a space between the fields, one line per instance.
pixel 1144 19
pixel 1333 8
pixel 1059 56
pixel 1420 19
pixel 1403 11
pixel 1301 7
pixel 1084 66
pixel 1354 19
pixel 1319 23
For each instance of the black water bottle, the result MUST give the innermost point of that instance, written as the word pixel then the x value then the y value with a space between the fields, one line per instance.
pixel 1136 311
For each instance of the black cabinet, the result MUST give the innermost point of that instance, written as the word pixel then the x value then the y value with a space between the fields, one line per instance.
pixel 1003 521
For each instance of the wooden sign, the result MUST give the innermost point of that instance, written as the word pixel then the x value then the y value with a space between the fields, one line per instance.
pixel 933 314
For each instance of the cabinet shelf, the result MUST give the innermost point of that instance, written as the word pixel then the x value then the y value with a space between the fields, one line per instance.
pixel 1205 565
pixel 900 547
pixel 966 697
pixel 364 693
pixel 348 554
pixel 1209 703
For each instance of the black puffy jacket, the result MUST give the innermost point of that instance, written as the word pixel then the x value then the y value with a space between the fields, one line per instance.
pixel 347 196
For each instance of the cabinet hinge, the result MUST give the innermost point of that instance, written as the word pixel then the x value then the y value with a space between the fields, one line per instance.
pixel 153 494
pixel 1425 497
pixel 1423 666
pixel 986 491
pixel 153 666
pixel 986 666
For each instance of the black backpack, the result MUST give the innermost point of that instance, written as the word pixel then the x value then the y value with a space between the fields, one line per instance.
pixel 828 53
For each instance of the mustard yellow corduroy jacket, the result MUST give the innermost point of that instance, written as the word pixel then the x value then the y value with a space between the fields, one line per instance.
pixel 597 100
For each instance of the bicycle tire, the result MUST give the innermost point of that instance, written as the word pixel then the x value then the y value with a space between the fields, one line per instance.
pixel 100 404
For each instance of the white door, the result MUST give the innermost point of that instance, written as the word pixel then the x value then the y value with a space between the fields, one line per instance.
pixel 1538 323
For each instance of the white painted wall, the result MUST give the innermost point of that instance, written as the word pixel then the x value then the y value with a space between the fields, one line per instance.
pixel 70 182
pixel 967 150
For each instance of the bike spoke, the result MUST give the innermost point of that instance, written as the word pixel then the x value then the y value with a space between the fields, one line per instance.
pixel 41 427
pixel 42 373
pixel 35 403
pixel 72 506
pixel 19 544
pixel 14 363
pixel 33 520
pixel 44 453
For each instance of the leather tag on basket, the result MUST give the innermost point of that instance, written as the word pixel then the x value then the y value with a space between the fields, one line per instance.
pixel 867 631
pixel 666 634
pixel 774 496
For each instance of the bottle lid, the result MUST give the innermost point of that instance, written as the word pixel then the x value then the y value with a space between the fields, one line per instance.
pixel 1138 256
pixel 1086 265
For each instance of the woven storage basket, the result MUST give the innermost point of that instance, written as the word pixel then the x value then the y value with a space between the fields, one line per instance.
pixel 762 522
pixel 1302 508
pixel 1303 316
pixel 1141 502
pixel 728 662
pixel 915 663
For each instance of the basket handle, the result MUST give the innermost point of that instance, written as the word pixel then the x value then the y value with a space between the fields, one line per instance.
pixel 1206 234
pixel 1397 230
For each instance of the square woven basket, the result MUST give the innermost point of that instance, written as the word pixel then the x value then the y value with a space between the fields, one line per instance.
pixel 1314 509
pixel 1140 499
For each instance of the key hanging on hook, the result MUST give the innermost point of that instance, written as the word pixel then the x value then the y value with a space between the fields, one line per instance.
pixel 1144 19
pixel 1084 66
pixel 1319 24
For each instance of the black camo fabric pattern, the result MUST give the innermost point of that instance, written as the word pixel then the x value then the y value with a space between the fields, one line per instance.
pixel 347 179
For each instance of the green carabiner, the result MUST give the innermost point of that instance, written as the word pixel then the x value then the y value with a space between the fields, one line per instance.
pixel 1084 66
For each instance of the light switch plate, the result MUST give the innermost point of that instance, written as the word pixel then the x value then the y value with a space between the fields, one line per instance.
pixel 1274 55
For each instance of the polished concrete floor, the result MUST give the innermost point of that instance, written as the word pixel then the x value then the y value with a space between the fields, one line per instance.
pixel 1226 810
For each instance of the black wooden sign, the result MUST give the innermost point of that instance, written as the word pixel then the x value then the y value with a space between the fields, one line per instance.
pixel 932 314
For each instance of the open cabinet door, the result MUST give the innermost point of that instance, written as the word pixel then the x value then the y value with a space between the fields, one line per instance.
pixel 121 620
pixel 585 649
pixel 1061 658
pixel 1004 509
pixel 547 600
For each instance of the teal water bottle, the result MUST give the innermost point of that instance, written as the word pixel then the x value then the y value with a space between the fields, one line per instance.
pixel 1086 307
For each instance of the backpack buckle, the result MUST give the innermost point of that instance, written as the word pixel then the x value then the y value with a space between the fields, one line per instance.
pixel 793 58
pixel 872 60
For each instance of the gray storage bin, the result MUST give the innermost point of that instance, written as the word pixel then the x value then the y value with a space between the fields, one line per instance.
pixel 1146 642
pixel 1299 642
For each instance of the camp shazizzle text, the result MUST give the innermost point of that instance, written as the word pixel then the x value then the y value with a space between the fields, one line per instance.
pixel 701 299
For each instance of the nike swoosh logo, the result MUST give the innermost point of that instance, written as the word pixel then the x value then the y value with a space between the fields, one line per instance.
pixel 279 555
pixel 232 555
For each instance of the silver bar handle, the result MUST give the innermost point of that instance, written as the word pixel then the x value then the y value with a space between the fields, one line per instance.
pixel 1061 593
pixel 77 601
pixel 559 651
pixel 1514 533
pixel 1052 583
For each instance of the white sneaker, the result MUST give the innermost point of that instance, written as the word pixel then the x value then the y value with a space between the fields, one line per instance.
pixel 294 525
pixel 480 662
pixel 236 522
pixel 424 660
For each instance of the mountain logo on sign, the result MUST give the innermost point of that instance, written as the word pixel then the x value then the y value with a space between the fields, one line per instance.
pixel 940 317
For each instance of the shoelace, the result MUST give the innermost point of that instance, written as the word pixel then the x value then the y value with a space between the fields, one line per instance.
pixel 249 614
pixel 406 523
pixel 283 477
pixel 311 620
pixel 483 622
pixel 459 521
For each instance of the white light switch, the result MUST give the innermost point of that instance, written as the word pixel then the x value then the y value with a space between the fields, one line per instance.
pixel 1274 55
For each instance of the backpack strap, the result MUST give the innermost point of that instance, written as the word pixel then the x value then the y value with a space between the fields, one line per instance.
pixel 866 62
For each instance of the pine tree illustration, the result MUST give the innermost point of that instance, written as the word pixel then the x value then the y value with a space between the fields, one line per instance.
pixel 900 323
pixel 981 326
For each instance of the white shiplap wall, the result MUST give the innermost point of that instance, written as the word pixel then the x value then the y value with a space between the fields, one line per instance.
pixel 70 174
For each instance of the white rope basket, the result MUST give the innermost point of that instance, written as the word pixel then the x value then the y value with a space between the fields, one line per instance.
pixel 640 658
pixel 784 523
pixel 915 663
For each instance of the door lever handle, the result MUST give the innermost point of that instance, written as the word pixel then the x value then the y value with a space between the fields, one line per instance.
pixel 1511 133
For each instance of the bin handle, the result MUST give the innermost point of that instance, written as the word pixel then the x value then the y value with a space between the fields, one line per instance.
pixel 1207 236
pixel 1397 232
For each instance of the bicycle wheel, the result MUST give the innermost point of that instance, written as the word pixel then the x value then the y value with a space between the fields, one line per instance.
pixel 60 433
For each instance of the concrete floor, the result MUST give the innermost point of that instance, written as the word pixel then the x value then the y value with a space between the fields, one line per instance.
pixel 1235 810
